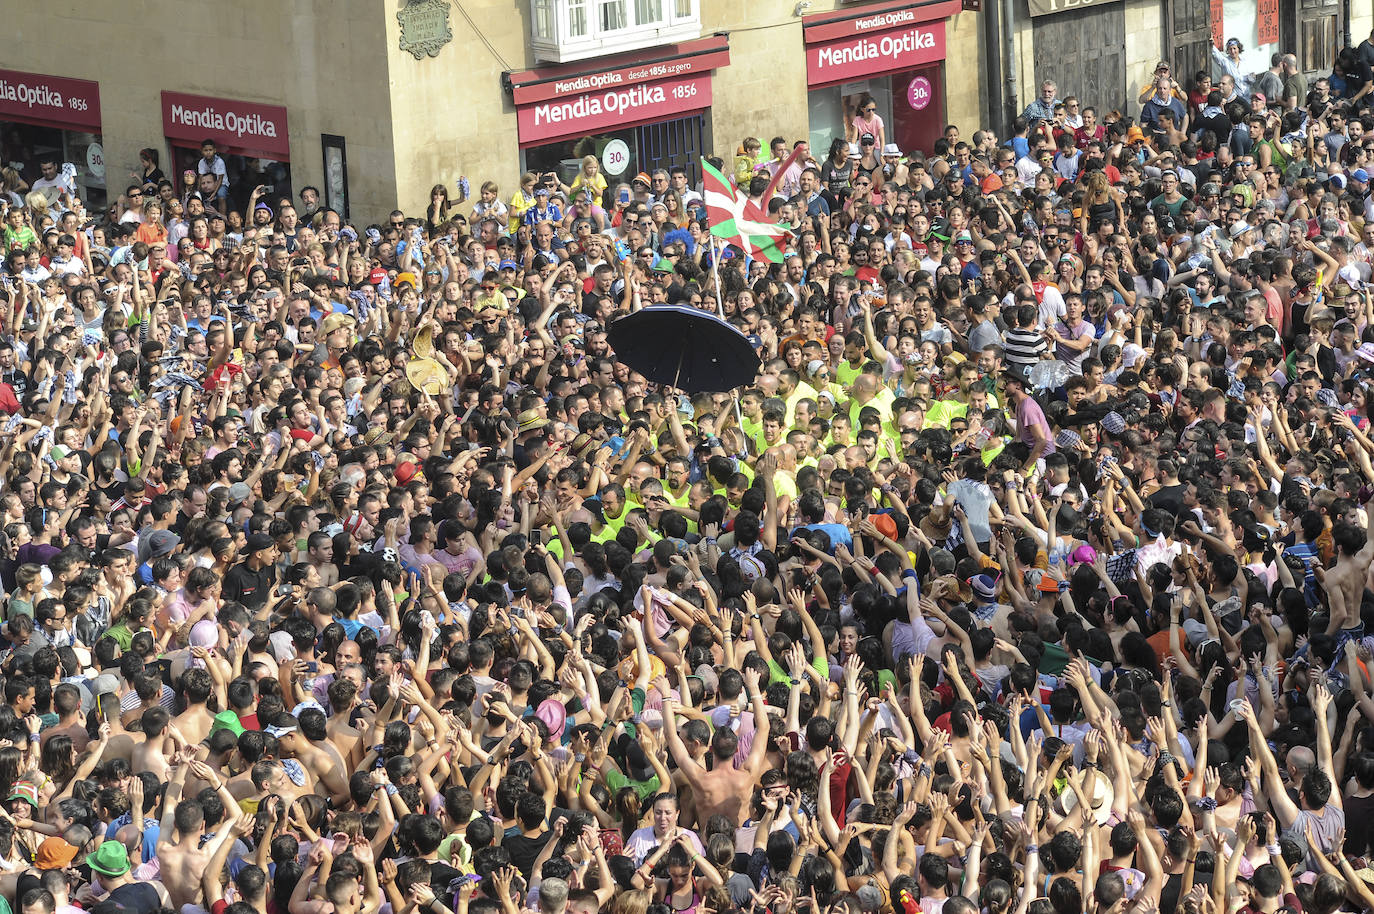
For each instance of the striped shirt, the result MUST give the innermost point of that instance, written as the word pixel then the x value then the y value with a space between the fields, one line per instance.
pixel 1022 348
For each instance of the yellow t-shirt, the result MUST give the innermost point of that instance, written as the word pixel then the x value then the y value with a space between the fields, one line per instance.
pixel 845 373
pixel 597 184
pixel 519 203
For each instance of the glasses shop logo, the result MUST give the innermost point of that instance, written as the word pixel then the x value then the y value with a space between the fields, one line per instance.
pixel 592 81
pixel 596 105
pixel 239 125
pixel 889 47
pixel 884 21
pixel 30 96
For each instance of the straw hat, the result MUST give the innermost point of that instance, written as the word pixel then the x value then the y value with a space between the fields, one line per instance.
pixel 1098 789
pixel 424 372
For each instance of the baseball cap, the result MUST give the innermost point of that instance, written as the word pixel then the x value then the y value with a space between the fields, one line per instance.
pixel 258 542
pixel 377 276
pixel 507 265
pixel 162 542
pixel 239 493
pixel 58 452
pixel 1360 175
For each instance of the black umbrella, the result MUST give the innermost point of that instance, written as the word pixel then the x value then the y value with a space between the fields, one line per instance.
pixel 684 347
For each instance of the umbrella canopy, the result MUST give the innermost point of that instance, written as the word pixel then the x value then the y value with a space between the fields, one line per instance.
pixel 684 347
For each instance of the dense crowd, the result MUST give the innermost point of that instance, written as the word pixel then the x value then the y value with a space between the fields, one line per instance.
pixel 347 567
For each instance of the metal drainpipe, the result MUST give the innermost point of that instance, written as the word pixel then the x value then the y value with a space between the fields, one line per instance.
pixel 992 40
pixel 1009 6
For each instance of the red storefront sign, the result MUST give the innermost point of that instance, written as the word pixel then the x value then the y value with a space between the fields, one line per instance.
pixel 623 106
pixel 874 53
pixel 55 101
pixel 554 103
pixel 880 17
pixel 243 128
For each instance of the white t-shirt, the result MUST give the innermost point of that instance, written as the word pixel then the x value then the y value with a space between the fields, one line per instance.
pixel 213 167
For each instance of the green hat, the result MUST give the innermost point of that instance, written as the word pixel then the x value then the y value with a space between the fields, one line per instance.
pixel 109 859
pixel 227 720
pixel 24 789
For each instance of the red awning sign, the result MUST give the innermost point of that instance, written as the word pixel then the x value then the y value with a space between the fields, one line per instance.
pixel 245 128
pixel 619 72
pixel 876 18
pixel 616 107
pixel 874 53
pixel 57 101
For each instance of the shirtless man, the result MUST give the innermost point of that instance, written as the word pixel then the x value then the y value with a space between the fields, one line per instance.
pixel 195 722
pixel 724 789
pixel 319 553
pixel 321 760
pixel 150 754
pixel 1345 582
pixel 347 740
pixel 183 861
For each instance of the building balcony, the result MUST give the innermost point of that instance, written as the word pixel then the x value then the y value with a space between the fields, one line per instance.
pixel 562 31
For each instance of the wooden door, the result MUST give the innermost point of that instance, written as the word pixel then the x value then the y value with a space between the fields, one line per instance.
pixel 1084 52
pixel 1189 22
pixel 1313 29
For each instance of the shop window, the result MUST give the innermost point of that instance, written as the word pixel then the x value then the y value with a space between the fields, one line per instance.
pixel 562 30
pixel 245 173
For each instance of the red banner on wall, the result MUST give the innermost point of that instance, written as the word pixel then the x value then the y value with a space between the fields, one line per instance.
pixel 1267 19
pixel 50 100
pixel 243 128
pixel 577 115
pixel 1216 15
pixel 874 54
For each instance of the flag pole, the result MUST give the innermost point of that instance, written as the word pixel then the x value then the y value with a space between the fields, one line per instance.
pixel 715 275
pixel 720 312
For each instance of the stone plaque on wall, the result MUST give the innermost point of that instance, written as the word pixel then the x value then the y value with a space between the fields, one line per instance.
pixel 424 27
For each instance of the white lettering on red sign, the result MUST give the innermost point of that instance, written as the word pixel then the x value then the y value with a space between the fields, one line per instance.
pixel 885 20
pixel 38 96
pixel 593 105
pixel 889 47
pixel 591 81
pixel 210 118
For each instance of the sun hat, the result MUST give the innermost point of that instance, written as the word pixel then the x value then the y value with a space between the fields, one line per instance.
pixel 24 789
pixel 884 525
pixel 227 720
pixel 554 715
pixel 405 472
pixel 110 859
pixel 529 420
pixel 53 854
pixel 336 321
